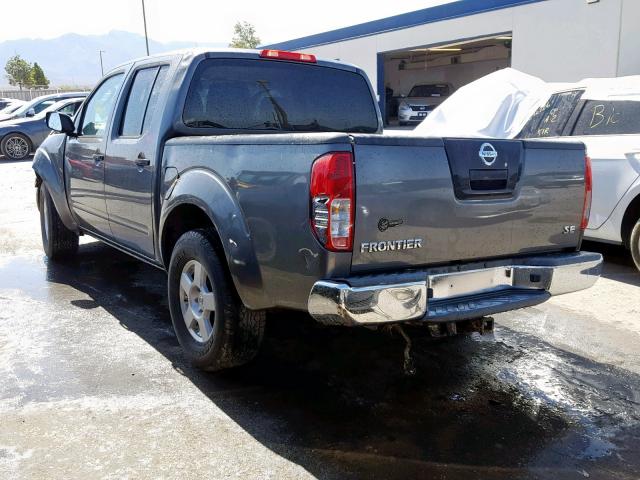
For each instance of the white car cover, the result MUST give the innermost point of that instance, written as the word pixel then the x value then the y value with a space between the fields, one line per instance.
pixel 494 106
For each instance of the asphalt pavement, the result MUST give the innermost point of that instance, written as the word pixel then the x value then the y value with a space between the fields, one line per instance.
pixel 93 383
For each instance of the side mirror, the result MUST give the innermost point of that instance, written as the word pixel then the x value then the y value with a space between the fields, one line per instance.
pixel 61 123
pixel 31 113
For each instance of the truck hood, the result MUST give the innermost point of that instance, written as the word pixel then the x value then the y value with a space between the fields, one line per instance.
pixel 19 122
pixel 5 117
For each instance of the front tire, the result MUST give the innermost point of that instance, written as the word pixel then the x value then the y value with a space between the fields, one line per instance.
pixel 58 242
pixel 634 244
pixel 214 328
pixel 16 146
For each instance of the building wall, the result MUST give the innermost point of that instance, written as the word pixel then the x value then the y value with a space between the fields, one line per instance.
pixel 557 40
pixel 629 54
pixel 567 40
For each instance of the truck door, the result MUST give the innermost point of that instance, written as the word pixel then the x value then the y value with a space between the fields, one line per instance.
pixel 84 157
pixel 130 162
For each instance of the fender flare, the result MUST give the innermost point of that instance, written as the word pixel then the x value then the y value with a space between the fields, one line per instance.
pixel 209 192
pixel 49 169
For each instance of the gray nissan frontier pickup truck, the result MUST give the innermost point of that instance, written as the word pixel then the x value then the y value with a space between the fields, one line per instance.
pixel 262 180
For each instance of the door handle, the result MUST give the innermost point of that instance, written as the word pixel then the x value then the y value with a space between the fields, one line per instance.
pixel 142 161
pixel 98 158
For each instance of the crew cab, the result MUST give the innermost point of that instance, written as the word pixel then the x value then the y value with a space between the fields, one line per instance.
pixel 262 180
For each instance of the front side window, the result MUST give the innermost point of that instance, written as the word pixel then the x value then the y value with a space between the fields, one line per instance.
pixel 617 117
pixel 100 105
pixel 550 119
pixel 282 96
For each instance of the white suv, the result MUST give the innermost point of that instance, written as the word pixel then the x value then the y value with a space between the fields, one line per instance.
pixel 605 115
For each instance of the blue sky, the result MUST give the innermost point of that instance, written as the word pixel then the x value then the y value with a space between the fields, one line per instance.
pixel 197 20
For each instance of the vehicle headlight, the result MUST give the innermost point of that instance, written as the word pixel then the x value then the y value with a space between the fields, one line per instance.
pixel 404 106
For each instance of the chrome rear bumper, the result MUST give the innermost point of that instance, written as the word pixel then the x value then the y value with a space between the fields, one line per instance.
pixel 453 295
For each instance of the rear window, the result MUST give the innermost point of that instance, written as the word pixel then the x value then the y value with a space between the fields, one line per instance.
pixel 429 91
pixel 274 95
pixel 550 119
pixel 617 117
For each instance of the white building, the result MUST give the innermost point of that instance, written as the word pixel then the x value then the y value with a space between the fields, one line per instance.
pixel 455 43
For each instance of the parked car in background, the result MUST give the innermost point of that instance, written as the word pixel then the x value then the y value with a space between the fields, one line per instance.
pixel 8 105
pixel 5 102
pixel 39 104
pixel 421 101
pixel 20 137
pixel 604 114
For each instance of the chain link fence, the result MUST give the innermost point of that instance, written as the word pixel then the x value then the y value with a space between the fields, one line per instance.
pixel 30 94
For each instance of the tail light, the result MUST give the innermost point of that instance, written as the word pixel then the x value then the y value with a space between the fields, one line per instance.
pixel 291 56
pixel 332 200
pixel 588 187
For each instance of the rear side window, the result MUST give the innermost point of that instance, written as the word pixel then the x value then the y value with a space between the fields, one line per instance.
pixel 153 98
pixel 274 95
pixel 142 100
pixel 550 119
pixel 616 117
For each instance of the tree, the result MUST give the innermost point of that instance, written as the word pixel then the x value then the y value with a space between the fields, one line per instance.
pixel 244 36
pixel 38 76
pixel 19 72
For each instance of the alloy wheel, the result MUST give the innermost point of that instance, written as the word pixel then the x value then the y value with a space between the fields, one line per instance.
pixel 197 301
pixel 16 147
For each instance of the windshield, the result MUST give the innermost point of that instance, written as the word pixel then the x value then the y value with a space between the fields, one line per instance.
pixel 10 108
pixel 283 96
pixel 39 104
pixel 429 91
pixel 35 104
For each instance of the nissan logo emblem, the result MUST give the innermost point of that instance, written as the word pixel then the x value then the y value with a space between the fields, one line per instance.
pixel 488 154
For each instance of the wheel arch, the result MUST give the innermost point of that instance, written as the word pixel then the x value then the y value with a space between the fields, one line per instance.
pixel 629 219
pixel 201 199
pixel 49 171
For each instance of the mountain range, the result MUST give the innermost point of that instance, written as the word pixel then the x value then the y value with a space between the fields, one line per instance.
pixel 74 60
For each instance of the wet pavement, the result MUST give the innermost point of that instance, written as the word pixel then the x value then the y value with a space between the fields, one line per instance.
pixel 93 383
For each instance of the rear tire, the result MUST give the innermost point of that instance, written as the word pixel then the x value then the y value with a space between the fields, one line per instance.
pixel 16 146
pixel 214 328
pixel 58 242
pixel 634 244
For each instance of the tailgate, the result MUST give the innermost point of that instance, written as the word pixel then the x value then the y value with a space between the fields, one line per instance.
pixel 426 201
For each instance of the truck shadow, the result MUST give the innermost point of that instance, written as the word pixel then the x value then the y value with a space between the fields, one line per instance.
pixel 337 402
pixel 5 160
